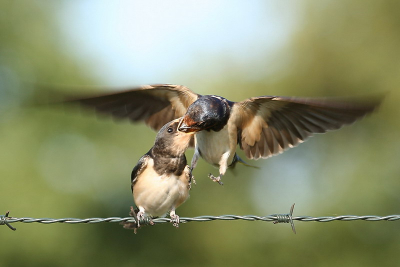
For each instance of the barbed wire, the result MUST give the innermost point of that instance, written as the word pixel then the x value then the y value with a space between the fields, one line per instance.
pixel 275 218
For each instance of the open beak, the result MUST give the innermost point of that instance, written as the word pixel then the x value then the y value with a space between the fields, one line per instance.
pixel 183 127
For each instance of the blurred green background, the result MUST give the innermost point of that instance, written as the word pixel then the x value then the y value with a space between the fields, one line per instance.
pixel 61 164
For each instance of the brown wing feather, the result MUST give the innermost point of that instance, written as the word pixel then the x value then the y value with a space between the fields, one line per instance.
pixel 268 125
pixel 155 105
pixel 138 169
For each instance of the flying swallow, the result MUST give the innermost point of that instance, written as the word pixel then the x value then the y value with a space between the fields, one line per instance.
pixel 161 180
pixel 262 126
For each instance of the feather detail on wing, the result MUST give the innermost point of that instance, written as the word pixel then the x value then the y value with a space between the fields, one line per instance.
pixel 268 125
pixel 155 105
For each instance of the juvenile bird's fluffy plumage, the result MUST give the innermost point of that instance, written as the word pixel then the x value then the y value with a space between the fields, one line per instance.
pixel 161 179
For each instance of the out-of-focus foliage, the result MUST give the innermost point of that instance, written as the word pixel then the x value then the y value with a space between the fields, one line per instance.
pixel 57 164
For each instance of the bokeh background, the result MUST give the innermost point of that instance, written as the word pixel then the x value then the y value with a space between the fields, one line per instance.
pixel 59 163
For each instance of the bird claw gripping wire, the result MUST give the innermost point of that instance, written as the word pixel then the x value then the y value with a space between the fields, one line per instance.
pixel 139 221
pixel 3 221
pixel 286 218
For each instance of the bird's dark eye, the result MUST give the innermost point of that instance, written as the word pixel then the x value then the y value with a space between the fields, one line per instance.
pixel 170 130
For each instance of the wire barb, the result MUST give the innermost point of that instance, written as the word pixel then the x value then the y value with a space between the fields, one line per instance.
pixel 4 221
pixel 286 218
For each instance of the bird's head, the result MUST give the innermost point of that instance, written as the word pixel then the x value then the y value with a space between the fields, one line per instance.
pixel 206 113
pixel 170 141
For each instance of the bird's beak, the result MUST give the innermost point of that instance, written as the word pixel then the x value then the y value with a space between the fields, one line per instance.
pixel 184 127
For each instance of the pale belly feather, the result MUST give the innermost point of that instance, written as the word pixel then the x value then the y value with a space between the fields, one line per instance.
pixel 159 194
pixel 212 145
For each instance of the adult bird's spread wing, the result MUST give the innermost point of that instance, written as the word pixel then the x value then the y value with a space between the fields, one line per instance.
pixel 153 104
pixel 268 125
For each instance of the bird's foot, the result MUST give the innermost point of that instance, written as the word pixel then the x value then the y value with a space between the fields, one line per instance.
pixel 192 180
pixel 216 179
pixel 132 225
pixel 174 219
pixel 139 217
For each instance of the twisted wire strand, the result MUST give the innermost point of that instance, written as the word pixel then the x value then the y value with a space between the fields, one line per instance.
pixel 207 218
pixel 275 218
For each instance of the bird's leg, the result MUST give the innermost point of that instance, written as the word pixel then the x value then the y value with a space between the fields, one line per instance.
pixel 174 218
pixel 140 215
pixel 189 177
pixel 129 225
pixel 132 213
pixel 223 165
pixel 195 158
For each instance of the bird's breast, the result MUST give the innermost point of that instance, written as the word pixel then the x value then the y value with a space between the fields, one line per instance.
pixel 212 145
pixel 158 194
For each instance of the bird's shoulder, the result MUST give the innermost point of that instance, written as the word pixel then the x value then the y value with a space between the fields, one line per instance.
pixel 139 168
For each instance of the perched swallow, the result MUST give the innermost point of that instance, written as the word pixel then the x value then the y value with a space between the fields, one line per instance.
pixel 161 180
pixel 261 126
